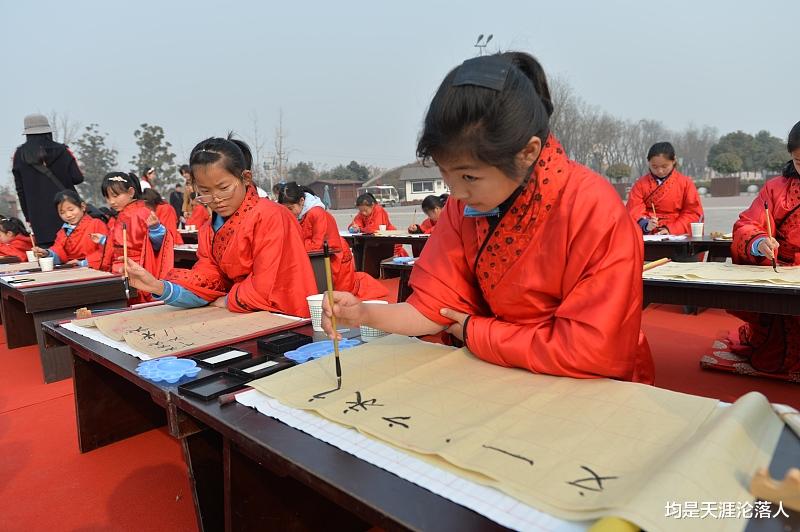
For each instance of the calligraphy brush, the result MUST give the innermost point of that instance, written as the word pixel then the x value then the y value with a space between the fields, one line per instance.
pixel 125 259
pixel 414 220
pixel 653 206
pixel 33 242
pixel 329 279
pixel 769 234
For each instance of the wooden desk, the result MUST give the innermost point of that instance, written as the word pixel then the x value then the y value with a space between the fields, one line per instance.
pixel 251 472
pixel 677 250
pixel 767 299
pixel 185 258
pixel 9 260
pixel 718 250
pixel 370 250
pixel 391 269
pixel 25 309
pixel 189 237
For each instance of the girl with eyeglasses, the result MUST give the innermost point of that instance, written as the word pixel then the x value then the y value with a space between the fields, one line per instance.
pixel 250 256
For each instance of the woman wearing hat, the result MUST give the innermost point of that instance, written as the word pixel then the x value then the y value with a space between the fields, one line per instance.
pixel 42 168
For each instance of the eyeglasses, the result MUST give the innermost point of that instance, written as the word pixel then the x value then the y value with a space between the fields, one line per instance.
pixel 208 199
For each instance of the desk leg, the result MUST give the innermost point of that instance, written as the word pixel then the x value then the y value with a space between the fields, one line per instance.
pixel 19 325
pixel 108 407
pixel 403 290
pixel 258 499
pixel 374 253
pixel 358 254
pixel 203 454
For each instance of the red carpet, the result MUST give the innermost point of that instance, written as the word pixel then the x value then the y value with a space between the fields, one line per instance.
pixel 679 340
pixel 46 484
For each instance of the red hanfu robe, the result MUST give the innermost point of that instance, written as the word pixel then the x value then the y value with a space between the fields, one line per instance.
pixel 316 226
pixel 17 247
pixel 556 288
pixel 199 216
pixel 676 201
pixel 372 223
pixel 79 245
pixel 257 258
pixel 169 219
pixel 140 249
pixel 770 342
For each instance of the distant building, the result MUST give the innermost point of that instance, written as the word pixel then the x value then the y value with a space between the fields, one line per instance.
pixel 342 192
pixel 422 181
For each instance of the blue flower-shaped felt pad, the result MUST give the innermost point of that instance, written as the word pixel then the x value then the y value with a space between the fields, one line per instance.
pixel 169 369
pixel 317 350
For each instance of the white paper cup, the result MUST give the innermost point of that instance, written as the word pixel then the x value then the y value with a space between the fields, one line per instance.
pixel 368 333
pixel 46 264
pixel 315 308
pixel 381 228
pixel 697 229
pixel 31 256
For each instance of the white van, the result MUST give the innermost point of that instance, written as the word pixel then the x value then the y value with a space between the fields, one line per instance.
pixel 385 194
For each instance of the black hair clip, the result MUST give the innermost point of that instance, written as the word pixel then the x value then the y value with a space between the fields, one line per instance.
pixel 489 71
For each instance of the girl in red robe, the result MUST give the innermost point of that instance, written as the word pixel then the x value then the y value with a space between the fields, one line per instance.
pixel 74 244
pixel 14 239
pixel 149 243
pixel 250 257
pixel 432 207
pixel 199 215
pixel 164 212
pixel 664 202
pixel 771 343
pixel 317 225
pixel 525 266
pixel 370 217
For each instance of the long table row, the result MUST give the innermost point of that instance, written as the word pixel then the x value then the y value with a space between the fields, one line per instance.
pixel 251 472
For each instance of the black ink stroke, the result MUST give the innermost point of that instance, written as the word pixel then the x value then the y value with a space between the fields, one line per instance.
pixel 597 479
pixel 396 421
pixel 517 456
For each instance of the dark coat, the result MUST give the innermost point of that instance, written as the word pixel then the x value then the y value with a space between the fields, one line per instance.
pixel 36 191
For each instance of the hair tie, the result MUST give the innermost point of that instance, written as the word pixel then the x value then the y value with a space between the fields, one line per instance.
pixel 488 71
pixel 118 178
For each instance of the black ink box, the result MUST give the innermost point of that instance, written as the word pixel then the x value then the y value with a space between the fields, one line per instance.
pixel 213 386
pixel 276 345
pixel 218 358
pixel 259 367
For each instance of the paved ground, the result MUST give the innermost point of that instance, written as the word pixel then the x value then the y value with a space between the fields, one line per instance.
pixel 721 213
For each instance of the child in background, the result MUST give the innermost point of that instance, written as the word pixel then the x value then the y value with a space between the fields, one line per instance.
pixel 199 215
pixel 317 225
pixel 164 212
pixel 74 244
pixel 14 239
pixel 250 257
pixel 535 262
pixel 432 207
pixel 150 245
pixel 771 342
pixel 666 191
pixel 370 217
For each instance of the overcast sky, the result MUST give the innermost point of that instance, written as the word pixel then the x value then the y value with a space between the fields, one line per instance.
pixel 354 78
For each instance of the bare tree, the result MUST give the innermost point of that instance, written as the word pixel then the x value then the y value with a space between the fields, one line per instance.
pixel 281 162
pixel 65 130
pixel 257 143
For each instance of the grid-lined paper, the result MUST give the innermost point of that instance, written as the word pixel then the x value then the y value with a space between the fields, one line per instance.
pixel 484 500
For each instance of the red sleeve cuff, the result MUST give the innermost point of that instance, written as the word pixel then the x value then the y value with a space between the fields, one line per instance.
pixel 479 341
